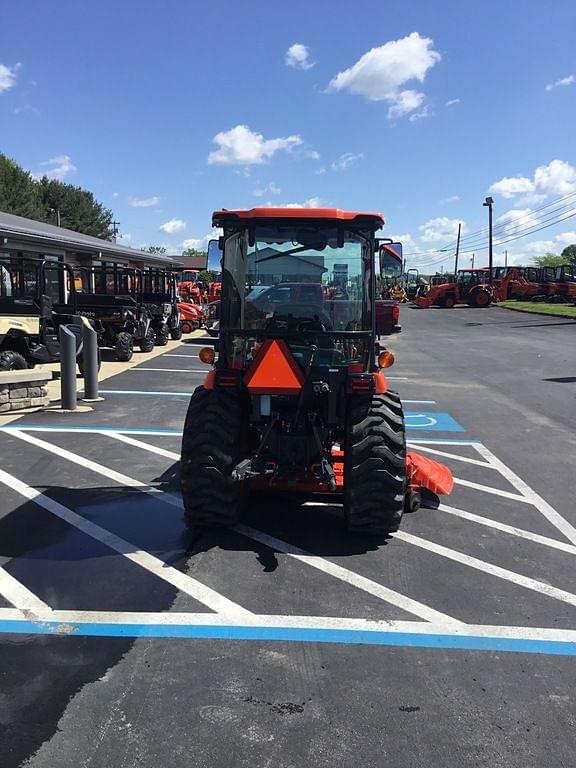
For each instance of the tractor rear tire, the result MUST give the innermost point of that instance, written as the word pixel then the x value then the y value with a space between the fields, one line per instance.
pixel 162 334
pixel 211 448
pixel 176 333
pixel 12 361
pixel 147 343
pixel 374 464
pixel 448 302
pixel 124 346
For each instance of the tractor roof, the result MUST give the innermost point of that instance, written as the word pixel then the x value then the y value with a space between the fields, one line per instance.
pixel 277 214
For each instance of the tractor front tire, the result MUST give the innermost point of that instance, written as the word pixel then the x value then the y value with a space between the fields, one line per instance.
pixel 176 333
pixel 211 448
pixel 162 334
pixel 147 343
pixel 374 464
pixel 124 346
pixel 12 361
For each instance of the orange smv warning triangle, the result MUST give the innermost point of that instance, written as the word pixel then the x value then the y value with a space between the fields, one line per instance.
pixel 274 371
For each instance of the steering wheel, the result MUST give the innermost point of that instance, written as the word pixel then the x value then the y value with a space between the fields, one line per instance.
pixel 299 314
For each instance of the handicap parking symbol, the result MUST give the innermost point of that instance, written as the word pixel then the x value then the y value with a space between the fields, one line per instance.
pixel 432 421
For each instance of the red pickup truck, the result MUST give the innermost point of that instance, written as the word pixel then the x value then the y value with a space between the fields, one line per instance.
pixel 264 299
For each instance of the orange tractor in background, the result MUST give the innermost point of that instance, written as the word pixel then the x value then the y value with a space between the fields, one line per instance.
pixel 296 400
pixel 472 287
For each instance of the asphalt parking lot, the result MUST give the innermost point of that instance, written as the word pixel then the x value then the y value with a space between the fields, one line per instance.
pixel 125 642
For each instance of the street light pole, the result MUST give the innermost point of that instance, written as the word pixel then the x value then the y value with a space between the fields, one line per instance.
pixel 457 251
pixel 489 202
pixel 57 212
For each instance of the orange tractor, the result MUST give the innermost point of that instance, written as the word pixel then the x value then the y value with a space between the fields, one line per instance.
pixel 297 398
pixel 472 287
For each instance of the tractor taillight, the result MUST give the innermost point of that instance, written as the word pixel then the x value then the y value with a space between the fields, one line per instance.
pixel 227 379
pixel 361 384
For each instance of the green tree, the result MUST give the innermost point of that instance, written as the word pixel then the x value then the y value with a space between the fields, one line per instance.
pixel 194 252
pixel 549 260
pixel 79 210
pixel 156 249
pixel 569 254
pixel 19 193
pixel 205 276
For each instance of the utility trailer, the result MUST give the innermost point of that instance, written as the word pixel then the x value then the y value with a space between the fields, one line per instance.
pixel 297 400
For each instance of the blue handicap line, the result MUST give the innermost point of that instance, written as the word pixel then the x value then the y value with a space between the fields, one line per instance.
pixel 431 421
pixel 294 634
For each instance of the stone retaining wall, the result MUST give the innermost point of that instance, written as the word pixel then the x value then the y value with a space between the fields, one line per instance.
pixel 15 395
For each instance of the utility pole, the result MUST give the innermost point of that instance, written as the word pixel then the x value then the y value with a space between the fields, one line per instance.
pixel 457 250
pixel 489 203
pixel 505 258
pixel 472 260
pixel 115 225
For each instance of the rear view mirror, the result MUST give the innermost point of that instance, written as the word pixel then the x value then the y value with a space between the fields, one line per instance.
pixel 214 257
pixel 391 259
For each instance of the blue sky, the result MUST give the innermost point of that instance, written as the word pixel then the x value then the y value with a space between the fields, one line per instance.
pixel 169 110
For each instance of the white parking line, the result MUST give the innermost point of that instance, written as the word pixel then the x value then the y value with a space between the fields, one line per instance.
pixel 19 595
pixel 490 489
pixel 132 552
pixel 144 446
pixel 447 455
pixel 343 574
pixel 350 577
pixel 541 505
pixel 487 521
pixel 171 354
pixel 494 570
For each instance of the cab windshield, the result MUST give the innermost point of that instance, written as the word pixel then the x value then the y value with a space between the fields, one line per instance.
pixel 298 278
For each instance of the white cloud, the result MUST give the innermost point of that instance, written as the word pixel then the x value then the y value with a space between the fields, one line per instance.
pixel 298 57
pixel 56 168
pixel 125 238
pixel 320 171
pixel 408 242
pixel 346 160
pixel 405 102
pixel 556 178
pixel 562 82
pixel 145 202
pixel 515 220
pixel 172 226
pixel 115 194
pixel 424 112
pixel 8 76
pixel 312 202
pixel 452 102
pixel 271 188
pixel 26 109
pixel 242 146
pixel 441 228
pixel 200 243
pixel 311 153
pixel 565 238
pixel 381 72
pixel 510 186
pixel 451 199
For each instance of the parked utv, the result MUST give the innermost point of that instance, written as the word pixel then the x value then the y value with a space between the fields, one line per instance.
pixel 110 297
pixel 157 292
pixel 36 298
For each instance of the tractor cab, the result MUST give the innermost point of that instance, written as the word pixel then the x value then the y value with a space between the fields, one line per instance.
pixel 297 399
pixel 37 296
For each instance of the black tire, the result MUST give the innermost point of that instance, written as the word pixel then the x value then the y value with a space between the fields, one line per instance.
pixel 147 343
pixel 186 326
pixel 12 361
pixel 176 333
pixel 211 448
pixel 374 464
pixel 162 334
pixel 448 302
pixel 480 299
pixel 124 346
